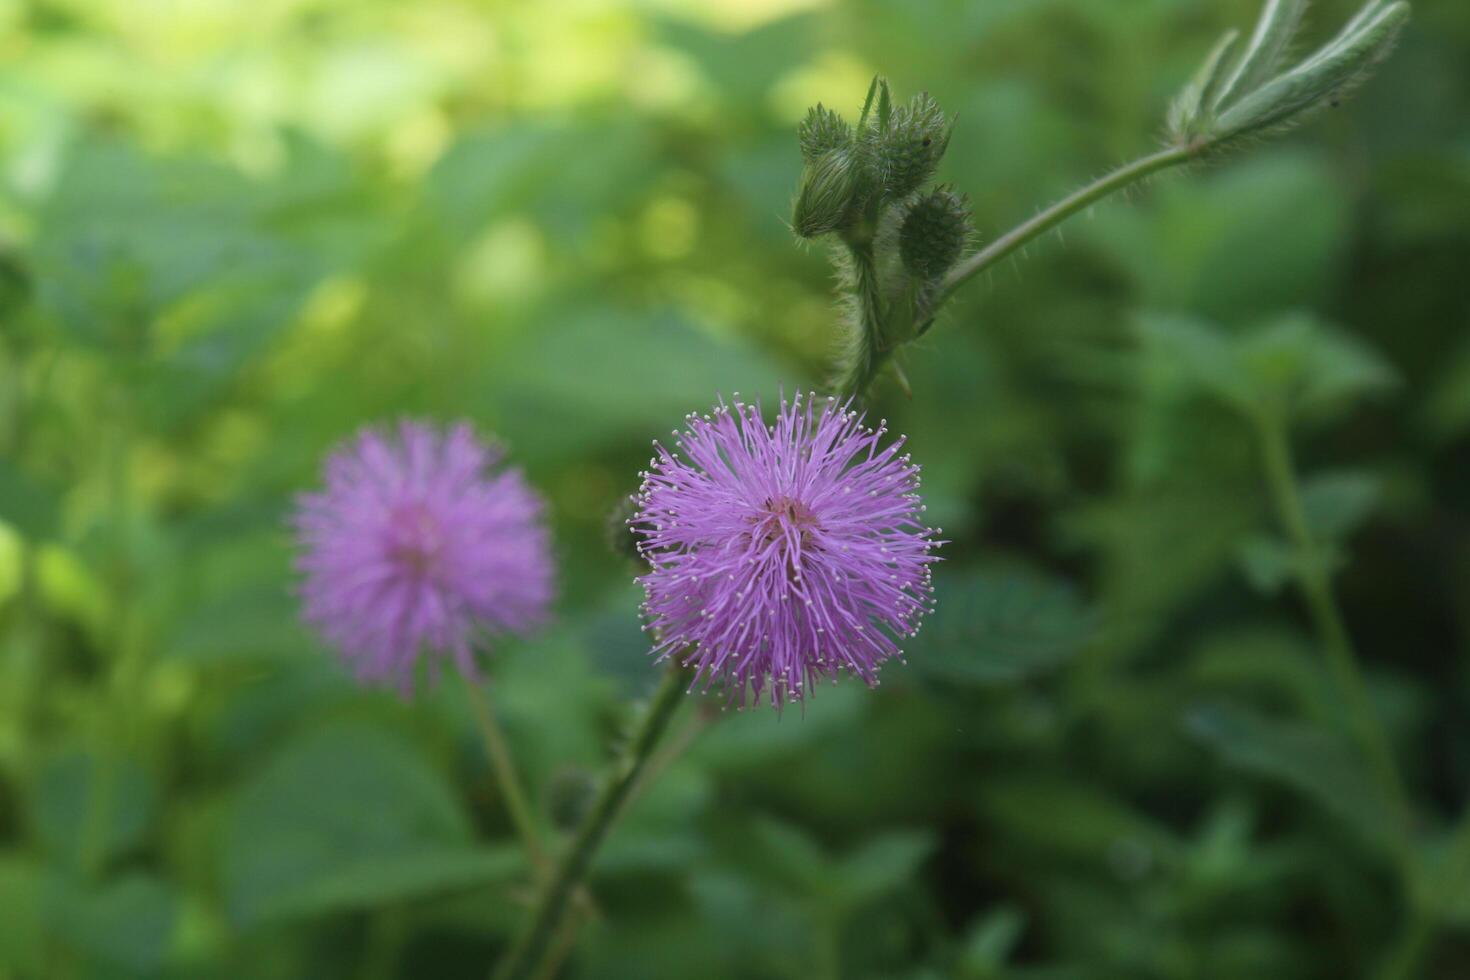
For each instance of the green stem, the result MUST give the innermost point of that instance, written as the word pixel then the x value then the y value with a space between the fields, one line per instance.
pixel 1312 578
pixel 1418 935
pixel 121 691
pixel 871 345
pixel 551 908
pixel 504 770
pixel 387 931
pixel 1044 222
pixel 829 949
pixel 866 358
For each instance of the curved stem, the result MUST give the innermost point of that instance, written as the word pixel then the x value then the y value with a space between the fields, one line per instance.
pixel 866 358
pixel 1312 578
pixel 501 765
pixel 1019 236
pixel 551 908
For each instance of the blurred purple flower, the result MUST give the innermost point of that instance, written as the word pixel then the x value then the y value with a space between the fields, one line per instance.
pixel 419 544
pixel 783 554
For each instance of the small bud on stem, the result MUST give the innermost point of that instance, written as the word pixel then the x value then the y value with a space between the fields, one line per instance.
pixel 902 251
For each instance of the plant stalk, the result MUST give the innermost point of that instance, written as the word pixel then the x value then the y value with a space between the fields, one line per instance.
pixel 1316 588
pixel 498 751
pixel 531 949
pixel 1044 222
pixel 867 359
pixel 1424 916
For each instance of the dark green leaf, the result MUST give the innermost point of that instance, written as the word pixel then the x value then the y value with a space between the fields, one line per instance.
pixel 1308 760
pixel 995 626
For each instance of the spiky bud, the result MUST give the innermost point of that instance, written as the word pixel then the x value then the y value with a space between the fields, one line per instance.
pixel 934 233
pixel 821 132
pixel 828 189
pixel 911 144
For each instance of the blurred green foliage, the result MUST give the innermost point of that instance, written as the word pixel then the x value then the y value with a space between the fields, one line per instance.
pixel 234 232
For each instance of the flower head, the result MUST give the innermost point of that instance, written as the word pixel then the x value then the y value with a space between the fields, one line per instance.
pixel 782 554
pixel 420 544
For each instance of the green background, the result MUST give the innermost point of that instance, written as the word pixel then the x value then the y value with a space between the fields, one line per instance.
pixel 235 232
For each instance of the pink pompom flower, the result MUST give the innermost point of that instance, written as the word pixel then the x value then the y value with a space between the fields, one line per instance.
pixel 420 546
pixel 781 554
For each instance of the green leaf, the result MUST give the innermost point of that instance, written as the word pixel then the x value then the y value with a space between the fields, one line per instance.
pixel 880 865
pixel 1311 761
pixel 1336 504
pixel 868 103
pixel 1311 369
pixel 1185 112
pixel 73 787
pixel 1070 818
pixel 591 376
pixel 251 622
pixel 348 818
pixel 1291 364
pixel 543 168
pixel 1262 57
pixel 790 857
pixel 25 504
pixel 20 926
pixel 1267 561
pixel 990 942
pixel 1338 65
pixel 123 927
pixel 1202 353
pixel 1266 234
pixel 996 626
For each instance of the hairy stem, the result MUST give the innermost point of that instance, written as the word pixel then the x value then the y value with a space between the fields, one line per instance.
pixel 868 350
pixel 1316 589
pixel 1044 222
pixel 551 908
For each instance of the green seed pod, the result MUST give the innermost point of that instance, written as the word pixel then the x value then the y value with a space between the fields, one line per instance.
pixel 934 233
pixel 828 189
pixel 910 146
pixel 821 132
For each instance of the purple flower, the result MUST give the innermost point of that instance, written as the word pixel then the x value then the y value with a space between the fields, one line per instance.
pixel 783 554
pixel 419 544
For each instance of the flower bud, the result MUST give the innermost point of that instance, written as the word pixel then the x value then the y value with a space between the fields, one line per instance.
pixel 620 537
pixel 910 146
pixel 934 233
pixel 828 188
pixel 821 132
